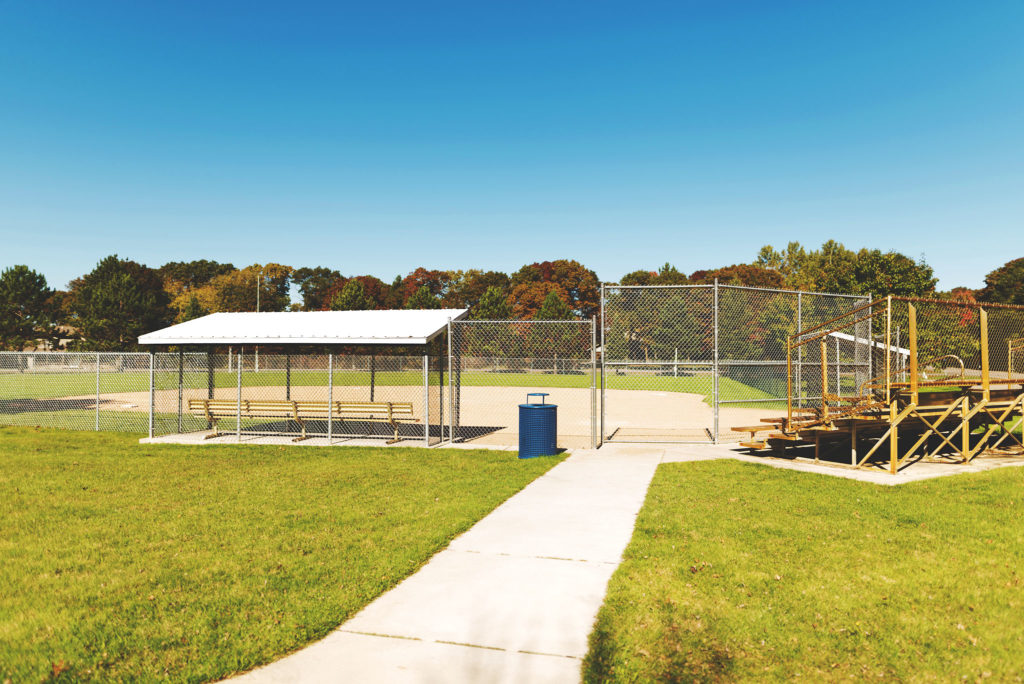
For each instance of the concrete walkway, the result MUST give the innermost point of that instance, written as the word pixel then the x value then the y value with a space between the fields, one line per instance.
pixel 511 600
pixel 514 598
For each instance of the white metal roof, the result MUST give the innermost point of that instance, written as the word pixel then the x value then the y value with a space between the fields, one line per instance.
pixel 417 326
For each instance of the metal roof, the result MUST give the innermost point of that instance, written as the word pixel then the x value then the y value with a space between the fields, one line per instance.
pixel 417 326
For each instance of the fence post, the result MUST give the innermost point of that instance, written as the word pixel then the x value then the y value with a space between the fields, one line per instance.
pixel 799 350
pixel 97 391
pixel 715 379
pixel 838 388
pixel 426 400
pixel 451 402
pixel 152 393
pixel 181 384
pixel 593 382
pixel 604 369
pixel 238 414
pixel 330 398
pixel 288 376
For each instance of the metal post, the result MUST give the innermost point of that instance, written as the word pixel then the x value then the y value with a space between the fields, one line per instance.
pixel 604 369
pixel 985 379
pixel 871 339
pixel 181 385
pixel 912 344
pixel 209 382
pixel 799 350
pixel 451 402
pixel 97 391
pixel 838 384
pixel 426 400
pixel 330 398
pixel 152 393
pixel 715 378
pixel 593 382
pixel 888 349
pixel 373 374
pixel 238 414
pixel 675 364
pixel 288 377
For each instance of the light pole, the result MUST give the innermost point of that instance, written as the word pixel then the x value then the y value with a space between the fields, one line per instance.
pixel 259 283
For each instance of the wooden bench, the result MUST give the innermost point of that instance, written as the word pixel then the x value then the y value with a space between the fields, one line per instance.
pixel 392 413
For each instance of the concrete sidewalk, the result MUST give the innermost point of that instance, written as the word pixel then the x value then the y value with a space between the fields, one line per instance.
pixel 511 600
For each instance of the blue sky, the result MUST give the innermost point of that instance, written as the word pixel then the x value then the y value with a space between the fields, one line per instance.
pixel 377 137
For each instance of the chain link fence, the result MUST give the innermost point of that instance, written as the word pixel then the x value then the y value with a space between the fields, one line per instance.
pixel 495 364
pixel 75 391
pixel 688 363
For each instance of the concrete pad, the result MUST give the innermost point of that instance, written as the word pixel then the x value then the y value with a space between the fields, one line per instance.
pixel 913 473
pixel 351 657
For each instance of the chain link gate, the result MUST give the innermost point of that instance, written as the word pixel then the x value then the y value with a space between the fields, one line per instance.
pixel 494 364
pixel 686 363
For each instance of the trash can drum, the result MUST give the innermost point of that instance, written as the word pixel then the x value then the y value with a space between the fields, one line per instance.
pixel 538 428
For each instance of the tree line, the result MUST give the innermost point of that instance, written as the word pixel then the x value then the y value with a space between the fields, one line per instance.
pixel 120 299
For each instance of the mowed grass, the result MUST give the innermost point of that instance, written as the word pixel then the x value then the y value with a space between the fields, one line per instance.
pixel 739 572
pixel 123 561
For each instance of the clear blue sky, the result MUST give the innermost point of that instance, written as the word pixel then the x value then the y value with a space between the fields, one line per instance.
pixel 374 137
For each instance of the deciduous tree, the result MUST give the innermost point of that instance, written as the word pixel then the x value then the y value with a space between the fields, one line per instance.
pixel 575 284
pixel 1005 285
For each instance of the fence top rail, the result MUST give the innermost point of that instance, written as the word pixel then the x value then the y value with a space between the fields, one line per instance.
pixel 708 286
pixel 959 303
pixel 807 331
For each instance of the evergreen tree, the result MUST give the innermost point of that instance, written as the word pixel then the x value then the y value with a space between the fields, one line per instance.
pixel 352 297
pixel 493 306
pixel 422 299
pixel 118 301
pixel 193 309
pixel 553 309
pixel 23 307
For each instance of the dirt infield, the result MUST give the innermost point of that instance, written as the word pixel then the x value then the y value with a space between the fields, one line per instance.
pixel 489 415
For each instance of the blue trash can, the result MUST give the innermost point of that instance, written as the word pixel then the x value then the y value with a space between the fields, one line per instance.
pixel 538 427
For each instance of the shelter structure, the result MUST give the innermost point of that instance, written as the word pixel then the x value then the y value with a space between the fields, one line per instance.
pixel 337 375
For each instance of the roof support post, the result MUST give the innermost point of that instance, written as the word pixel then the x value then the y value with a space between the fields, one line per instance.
pixel 152 392
pixel 330 397
pixel 426 400
pixel 238 413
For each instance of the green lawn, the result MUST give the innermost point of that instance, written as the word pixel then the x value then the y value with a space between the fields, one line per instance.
pixel 746 572
pixel 122 561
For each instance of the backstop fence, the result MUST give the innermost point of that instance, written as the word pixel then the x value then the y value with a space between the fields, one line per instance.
pixel 687 363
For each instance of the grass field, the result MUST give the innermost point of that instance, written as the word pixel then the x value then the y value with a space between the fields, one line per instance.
pixel 120 561
pixel 750 573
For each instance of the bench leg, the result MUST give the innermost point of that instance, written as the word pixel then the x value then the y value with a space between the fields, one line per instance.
pixel 215 433
pixel 302 424
pixel 396 438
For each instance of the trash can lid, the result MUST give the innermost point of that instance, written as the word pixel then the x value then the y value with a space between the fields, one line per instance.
pixel 536 394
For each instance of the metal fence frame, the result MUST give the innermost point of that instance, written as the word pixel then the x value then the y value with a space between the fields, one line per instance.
pixel 594 360
pixel 715 363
